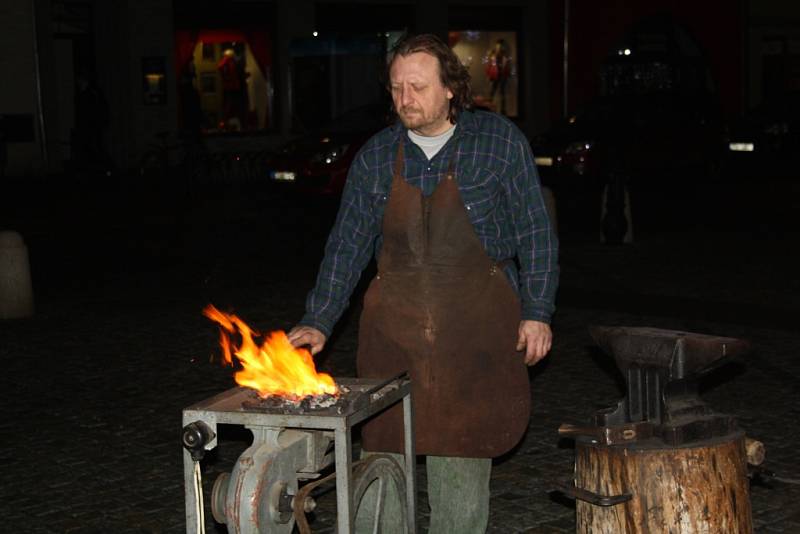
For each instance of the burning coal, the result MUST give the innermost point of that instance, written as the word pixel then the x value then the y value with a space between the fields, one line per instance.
pixel 276 368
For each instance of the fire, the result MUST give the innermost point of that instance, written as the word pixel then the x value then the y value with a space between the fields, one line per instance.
pixel 274 368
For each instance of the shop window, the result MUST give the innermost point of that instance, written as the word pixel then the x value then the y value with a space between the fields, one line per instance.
pixel 334 75
pixel 491 57
pixel 224 80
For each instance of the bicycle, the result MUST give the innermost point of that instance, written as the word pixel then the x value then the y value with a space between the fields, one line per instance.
pixel 186 158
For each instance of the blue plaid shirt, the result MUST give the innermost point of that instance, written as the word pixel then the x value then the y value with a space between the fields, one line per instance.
pixel 499 185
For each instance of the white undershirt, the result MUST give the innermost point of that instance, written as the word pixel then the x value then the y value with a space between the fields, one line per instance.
pixel 431 145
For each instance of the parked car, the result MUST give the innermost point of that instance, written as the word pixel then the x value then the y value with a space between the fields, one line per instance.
pixel 766 140
pixel 647 139
pixel 318 161
pixel 632 134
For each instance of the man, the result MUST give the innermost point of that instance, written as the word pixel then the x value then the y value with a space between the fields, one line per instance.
pixel 447 199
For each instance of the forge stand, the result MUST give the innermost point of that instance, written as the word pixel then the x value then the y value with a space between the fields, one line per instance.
pixel 289 445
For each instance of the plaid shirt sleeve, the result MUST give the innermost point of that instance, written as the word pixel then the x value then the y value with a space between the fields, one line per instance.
pixel 347 252
pixel 536 242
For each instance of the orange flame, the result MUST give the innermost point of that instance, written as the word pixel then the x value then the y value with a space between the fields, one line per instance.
pixel 274 368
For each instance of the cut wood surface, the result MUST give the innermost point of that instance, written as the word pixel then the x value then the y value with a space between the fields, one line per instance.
pixel 699 489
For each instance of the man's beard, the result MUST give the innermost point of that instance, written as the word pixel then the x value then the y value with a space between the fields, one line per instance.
pixel 418 121
pixel 413 121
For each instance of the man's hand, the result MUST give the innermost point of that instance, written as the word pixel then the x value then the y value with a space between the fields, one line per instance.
pixel 306 335
pixel 536 339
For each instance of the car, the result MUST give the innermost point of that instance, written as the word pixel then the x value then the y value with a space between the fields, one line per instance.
pixel 317 163
pixel 640 139
pixel 633 134
pixel 766 139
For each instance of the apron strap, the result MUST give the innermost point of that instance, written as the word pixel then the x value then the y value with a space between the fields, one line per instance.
pixel 451 165
pixel 399 161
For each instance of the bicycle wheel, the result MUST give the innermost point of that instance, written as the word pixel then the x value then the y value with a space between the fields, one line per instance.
pixel 152 164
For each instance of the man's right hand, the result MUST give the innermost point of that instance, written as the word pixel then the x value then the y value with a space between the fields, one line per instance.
pixel 306 335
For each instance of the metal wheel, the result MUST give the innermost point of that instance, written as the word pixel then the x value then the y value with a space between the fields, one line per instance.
pixel 378 473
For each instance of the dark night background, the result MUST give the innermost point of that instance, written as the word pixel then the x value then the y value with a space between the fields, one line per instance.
pixel 669 146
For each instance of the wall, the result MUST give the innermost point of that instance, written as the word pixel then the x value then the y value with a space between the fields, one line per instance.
pixel 595 27
pixel 295 21
pixel 149 33
pixel 773 37
pixel 18 93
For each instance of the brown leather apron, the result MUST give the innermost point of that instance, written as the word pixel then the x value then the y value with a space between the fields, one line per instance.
pixel 440 308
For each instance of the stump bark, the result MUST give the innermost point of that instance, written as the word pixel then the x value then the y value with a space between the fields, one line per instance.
pixel 701 488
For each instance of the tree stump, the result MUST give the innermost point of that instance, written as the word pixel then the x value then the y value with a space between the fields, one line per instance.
pixel 699 488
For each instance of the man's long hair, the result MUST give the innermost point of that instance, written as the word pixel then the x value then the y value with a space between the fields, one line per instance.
pixel 453 74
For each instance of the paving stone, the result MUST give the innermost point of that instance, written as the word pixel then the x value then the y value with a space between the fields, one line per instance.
pixel 98 378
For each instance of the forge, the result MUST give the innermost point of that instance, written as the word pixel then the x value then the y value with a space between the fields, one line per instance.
pixel 268 489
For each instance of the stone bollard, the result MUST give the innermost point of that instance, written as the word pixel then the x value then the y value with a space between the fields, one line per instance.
pixel 16 291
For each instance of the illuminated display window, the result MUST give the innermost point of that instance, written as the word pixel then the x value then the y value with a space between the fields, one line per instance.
pixel 491 57
pixel 224 80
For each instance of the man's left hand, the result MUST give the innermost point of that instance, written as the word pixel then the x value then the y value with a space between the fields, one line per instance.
pixel 535 338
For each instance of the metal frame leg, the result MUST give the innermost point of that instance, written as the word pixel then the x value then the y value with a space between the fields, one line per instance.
pixel 410 464
pixel 344 480
pixel 189 493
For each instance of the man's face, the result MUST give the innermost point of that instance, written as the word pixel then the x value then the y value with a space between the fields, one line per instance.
pixel 421 100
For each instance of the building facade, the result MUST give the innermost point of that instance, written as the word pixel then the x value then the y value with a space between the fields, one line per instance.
pixel 255 72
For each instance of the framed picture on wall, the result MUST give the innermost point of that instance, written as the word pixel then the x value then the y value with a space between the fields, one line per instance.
pixel 154 80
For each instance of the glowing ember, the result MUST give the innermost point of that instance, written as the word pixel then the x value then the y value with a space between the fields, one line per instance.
pixel 274 368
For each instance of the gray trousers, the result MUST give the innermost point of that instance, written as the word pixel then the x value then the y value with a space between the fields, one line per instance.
pixel 458 496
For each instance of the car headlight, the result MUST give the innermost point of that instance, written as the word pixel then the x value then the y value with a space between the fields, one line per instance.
pixel 578 147
pixel 741 147
pixel 283 176
pixel 330 154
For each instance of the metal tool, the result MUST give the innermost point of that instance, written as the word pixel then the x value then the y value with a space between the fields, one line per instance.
pixel 660 458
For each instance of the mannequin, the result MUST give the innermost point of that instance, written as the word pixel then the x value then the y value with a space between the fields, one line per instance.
pixel 498 69
pixel 234 89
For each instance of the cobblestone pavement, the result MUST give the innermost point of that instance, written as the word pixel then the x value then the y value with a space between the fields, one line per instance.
pixel 94 384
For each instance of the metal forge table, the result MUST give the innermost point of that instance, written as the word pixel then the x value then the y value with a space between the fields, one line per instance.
pixel 291 444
